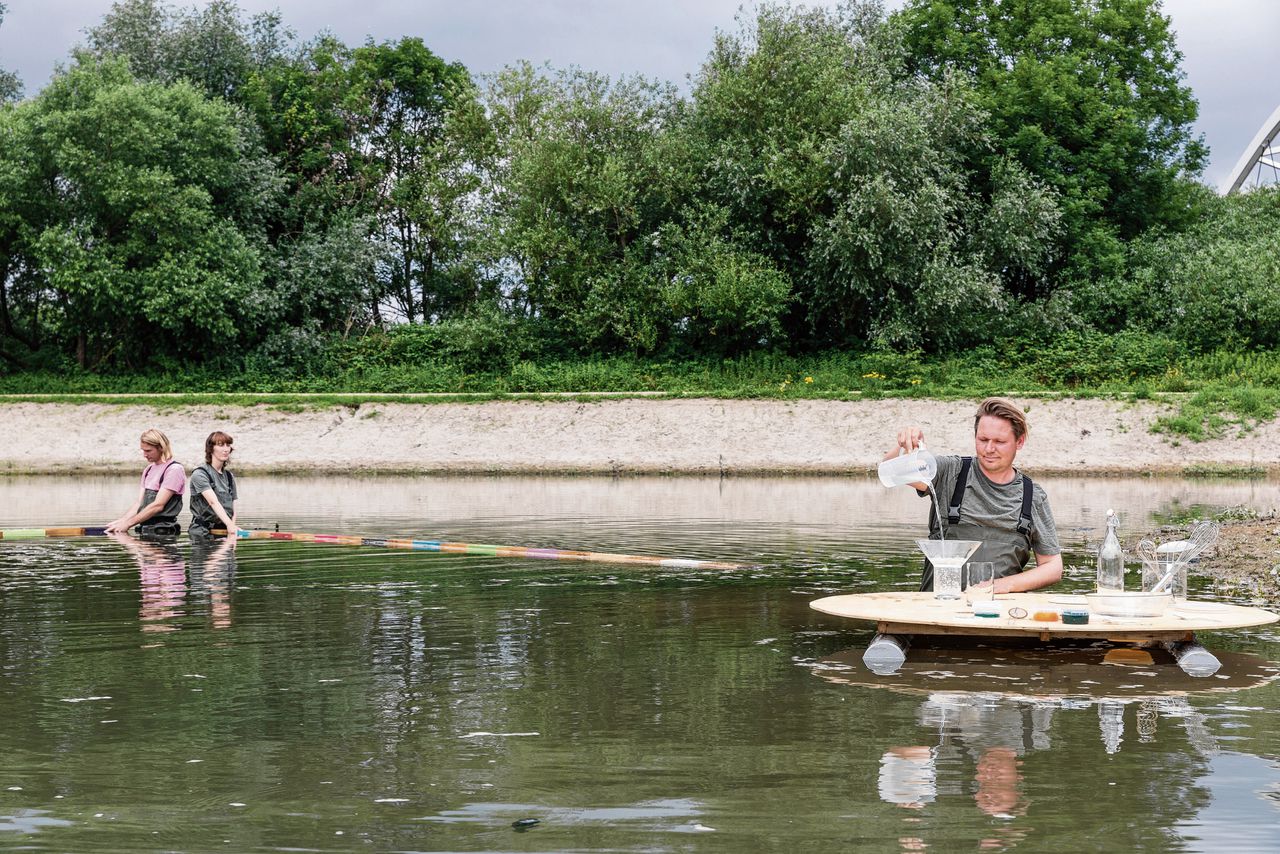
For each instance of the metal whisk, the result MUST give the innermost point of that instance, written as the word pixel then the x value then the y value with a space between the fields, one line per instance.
pixel 1203 535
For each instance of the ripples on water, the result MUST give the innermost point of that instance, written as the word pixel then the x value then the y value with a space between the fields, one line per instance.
pixel 283 696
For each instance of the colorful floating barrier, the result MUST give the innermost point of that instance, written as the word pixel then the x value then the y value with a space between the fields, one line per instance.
pixel 41 533
pixel 529 552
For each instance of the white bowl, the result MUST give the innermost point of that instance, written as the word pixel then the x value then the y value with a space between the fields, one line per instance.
pixel 1133 604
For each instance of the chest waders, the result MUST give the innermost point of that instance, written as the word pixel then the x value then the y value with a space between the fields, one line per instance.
pixel 164 523
pixel 203 517
pixel 1008 550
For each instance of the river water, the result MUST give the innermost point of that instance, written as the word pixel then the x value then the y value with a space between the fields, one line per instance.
pixel 282 696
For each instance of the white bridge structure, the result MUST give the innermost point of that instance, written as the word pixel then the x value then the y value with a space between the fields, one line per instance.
pixel 1260 163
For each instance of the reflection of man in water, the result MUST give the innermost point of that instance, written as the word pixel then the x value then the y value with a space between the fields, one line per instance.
pixel 998 777
pixel 990 732
pixel 213 568
pixel 162 578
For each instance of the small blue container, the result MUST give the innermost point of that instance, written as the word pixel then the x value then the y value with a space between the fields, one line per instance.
pixel 1075 616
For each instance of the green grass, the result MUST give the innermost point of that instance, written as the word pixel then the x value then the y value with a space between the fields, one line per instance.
pixel 1209 395
pixel 1224 471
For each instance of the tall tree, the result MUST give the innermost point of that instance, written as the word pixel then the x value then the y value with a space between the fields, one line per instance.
pixel 137 211
pixel 852 176
pixel 213 49
pixel 579 196
pixel 1087 95
pixel 408 109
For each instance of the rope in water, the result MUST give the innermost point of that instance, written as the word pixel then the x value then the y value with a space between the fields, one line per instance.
pixel 529 552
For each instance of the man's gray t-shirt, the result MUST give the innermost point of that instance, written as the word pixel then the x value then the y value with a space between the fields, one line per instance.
pixel 995 505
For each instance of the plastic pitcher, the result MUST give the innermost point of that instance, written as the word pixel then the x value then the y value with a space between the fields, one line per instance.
pixel 919 466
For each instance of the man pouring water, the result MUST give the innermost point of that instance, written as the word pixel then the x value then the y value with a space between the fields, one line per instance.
pixel 985 498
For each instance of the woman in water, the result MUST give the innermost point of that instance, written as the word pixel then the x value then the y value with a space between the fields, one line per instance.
pixel 213 489
pixel 160 499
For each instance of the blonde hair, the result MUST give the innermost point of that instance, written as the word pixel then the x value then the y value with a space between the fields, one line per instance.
pixel 1003 407
pixel 156 439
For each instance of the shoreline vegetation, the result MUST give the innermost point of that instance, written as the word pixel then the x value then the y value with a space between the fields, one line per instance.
pixel 944 201
pixel 1209 396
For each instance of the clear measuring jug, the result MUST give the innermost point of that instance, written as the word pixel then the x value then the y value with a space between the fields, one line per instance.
pixel 919 466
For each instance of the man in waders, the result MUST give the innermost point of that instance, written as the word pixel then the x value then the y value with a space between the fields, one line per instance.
pixel 159 502
pixel 985 498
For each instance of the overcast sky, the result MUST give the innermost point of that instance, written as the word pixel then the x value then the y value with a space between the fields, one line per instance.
pixel 1230 46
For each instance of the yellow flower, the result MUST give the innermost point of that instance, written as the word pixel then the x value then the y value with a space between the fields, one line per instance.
pixel 873 376
pixel 916 381
pixel 808 379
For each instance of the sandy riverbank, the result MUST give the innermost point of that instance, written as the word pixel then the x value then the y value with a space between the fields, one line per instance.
pixel 696 436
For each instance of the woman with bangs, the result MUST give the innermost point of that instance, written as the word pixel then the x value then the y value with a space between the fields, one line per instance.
pixel 213 489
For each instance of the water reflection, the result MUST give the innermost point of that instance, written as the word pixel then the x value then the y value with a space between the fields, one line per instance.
pixel 330 698
pixel 213 571
pixel 166 578
pixel 985 710
pixel 162 581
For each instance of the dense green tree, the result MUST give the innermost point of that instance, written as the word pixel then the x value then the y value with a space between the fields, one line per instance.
pixel 1087 96
pixel 137 209
pixel 382 135
pixel 213 49
pixel 408 110
pixel 852 177
pixel 1211 286
pixel 577 199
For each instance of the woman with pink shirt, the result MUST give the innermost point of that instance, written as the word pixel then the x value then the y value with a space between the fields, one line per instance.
pixel 160 498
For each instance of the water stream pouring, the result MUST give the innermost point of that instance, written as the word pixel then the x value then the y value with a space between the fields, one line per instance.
pixel 948 558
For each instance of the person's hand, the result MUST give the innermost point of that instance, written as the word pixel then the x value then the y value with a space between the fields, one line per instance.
pixel 115 527
pixel 910 438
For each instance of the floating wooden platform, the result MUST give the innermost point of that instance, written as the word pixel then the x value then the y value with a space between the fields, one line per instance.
pixel 917 613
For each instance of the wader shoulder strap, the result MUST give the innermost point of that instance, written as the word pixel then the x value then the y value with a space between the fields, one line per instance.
pixel 957 498
pixel 163 472
pixel 1024 518
pixel 212 474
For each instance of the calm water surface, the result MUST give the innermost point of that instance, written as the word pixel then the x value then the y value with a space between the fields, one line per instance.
pixel 282 697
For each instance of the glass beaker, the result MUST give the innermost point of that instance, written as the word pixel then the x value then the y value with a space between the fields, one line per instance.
pixel 1169 559
pixel 982 581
